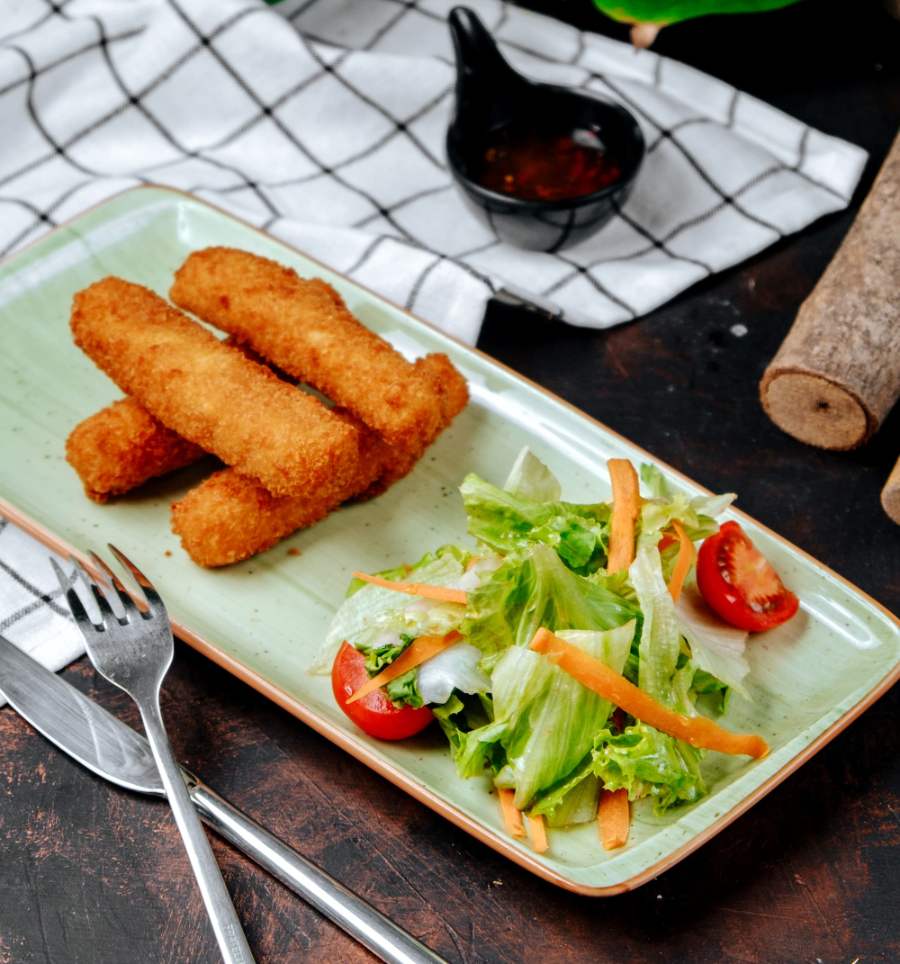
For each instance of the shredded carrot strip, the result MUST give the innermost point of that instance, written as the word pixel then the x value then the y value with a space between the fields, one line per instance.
pixel 537 833
pixel 417 652
pixel 614 818
pixel 626 504
pixel 512 818
pixel 597 676
pixel 439 593
pixel 686 554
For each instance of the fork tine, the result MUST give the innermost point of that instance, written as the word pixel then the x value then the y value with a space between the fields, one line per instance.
pixel 106 612
pixel 154 602
pixel 76 607
pixel 128 603
pixel 65 582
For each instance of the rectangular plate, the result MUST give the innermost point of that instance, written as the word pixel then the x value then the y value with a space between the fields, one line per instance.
pixel 263 620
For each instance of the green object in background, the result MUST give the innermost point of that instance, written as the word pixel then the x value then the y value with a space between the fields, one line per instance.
pixel 648 17
pixel 671 11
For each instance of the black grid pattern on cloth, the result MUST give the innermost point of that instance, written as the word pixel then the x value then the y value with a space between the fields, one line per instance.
pixel 403 222
pixel 32 615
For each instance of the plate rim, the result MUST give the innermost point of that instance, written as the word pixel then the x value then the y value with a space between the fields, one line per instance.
pixel 360 751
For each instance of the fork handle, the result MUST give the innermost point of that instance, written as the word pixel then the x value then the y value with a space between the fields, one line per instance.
pixel 359 919
pixel 226 926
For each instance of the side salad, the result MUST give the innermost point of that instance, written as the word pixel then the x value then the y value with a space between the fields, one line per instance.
pixel 576 654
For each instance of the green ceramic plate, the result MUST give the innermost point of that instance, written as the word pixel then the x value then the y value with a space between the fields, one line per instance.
pixel 264 620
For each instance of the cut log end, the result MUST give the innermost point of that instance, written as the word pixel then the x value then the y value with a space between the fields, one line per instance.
pixel 890 494
pixel 837 372
pixel 815 410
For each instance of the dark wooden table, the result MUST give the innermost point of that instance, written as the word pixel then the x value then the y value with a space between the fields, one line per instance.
pixel 810 874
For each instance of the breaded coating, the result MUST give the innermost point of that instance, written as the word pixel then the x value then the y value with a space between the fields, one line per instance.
pixel 452 394
pixel 304 327
pixel 451 387
pixel 122 446
pixel 211 394
pixel 228 517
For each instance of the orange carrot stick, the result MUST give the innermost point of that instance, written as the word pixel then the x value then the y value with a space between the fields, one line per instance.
pixel 613 818
pixel 512 818
pixel 417 652
pixel 626 504
pixel 597 676
pixel 537 833
pixel 438 593
pixel 686 554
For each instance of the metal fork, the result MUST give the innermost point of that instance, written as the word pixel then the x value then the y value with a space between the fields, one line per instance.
pixel 134 651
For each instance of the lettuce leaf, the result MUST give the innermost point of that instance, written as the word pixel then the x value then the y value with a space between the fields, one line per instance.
pixel 530 479
pixel 574 800
pixel 641 759
pixel 646 762
pixel 509 522
pixel 372 617
pixel 473 740
pixel 403 690
pixel 382 654
pixel 710 692
pixel 715 647
pixel 660 643
pixel 536 589
pixel 544 720
pixel 455 668
pixel 697 515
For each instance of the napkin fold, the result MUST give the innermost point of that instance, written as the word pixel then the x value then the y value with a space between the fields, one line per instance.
pixel 32 614
pixel 323 122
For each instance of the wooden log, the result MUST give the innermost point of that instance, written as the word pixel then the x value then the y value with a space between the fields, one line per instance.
pixel 890 494
pixel 837 373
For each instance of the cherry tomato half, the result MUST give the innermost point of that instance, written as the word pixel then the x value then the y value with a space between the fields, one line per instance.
pixel 739 583
pixel 375 714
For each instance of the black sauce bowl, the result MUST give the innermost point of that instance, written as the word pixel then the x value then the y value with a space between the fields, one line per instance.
pixel 490 95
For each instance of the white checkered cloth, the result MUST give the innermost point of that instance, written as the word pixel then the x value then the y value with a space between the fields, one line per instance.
pixel 323 122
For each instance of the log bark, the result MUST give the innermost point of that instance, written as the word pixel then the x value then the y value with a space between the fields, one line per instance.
pixel 837 373
pixel 890 494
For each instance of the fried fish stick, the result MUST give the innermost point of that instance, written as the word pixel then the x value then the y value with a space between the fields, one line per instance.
pixel 228 517
pixel 452 394
pixel 304 327
pixel 122 446
pixel 211 394
pixel 450 386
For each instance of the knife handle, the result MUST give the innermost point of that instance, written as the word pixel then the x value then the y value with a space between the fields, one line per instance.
pixel 359 919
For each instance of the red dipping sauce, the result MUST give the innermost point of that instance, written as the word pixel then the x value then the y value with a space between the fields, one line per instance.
pixel 539 165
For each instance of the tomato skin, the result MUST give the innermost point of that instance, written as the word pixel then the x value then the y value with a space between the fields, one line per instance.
pixel 666 541
pixel 740 584
pixel 375 714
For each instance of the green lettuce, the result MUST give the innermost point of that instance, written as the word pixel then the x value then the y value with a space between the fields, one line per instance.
pixel 473 742
pixel 697 515
pixel 544 721
pixel 536 589
pixel 641 759
pixel 373 617
pixel 403 690
pixel 710 692
pixel 646 762
pixel 551 718
pixel 509 522
pixel 572 800
pixel 377 657
pixel 717 648
pixel 530 479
